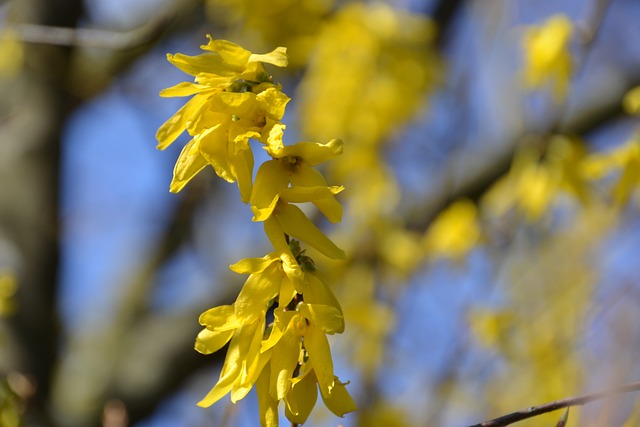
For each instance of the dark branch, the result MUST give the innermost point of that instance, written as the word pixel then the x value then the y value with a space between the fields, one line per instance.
pixel 534 411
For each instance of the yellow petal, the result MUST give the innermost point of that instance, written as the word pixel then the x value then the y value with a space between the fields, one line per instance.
pixel 172 128
pixel 274 132
pixel 340 401
pixel 237 103
pixel 252 265
pixel 230 52
pixel 212 143
pixel 271 179
pixel 327 318
pixel 217 317
pixel 315 341
pixel 309 177
pixel 316 291
pixel 252 367
pixel 277 57
pixel 267 405
pixel 287 291
pixel 273 102
pixel 206 63
pixel 209 341
pixel 308 194
pixel 183 89
pixel 241 163
pixel 313 153
pixel 301 399
pixel 275 233
pixel 284 361
pixel 296 224
pixel 229 374
pixel 189 163
pixel 257 292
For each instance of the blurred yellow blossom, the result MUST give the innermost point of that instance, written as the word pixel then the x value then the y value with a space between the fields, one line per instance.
pixel 535 181
pixel 547 57
pixel 12 54
pixel 454 232
pixel 370 321
pixel 631 101
pixel 371 55
pixel 625 160
pixel 292 23
pixel 8 288
pixel 490 327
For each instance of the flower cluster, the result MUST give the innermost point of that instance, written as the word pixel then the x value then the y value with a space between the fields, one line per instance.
pixel 288 358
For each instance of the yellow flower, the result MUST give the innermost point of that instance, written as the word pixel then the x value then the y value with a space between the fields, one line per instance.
pixel 547 57
pixel 454 232
pixel 272 194
pixel 631 101
pixel 233 100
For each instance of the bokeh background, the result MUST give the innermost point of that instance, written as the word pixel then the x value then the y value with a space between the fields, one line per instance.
pixel 493 241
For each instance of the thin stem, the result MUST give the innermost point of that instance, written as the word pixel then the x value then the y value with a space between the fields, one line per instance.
pixel 534 411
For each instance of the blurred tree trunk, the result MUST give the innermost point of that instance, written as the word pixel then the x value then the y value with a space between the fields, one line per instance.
pixel 33 109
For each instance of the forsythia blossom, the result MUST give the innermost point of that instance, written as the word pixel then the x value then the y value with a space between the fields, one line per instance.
pixel 547 56
pixel 288 358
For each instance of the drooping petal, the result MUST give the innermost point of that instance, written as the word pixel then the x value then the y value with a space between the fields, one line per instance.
pixel 284 361
pixel 267 405
pixel 294 222
pixel 253 362
pixel 309 177
pixel 316 291
pixel 301 399
pixel 317 345
pixel 189 163
pixel 287 291
pixel 213 147
pixel 271 179
pixel 241 163
pixel 209 341
pixel 340 401
pixel 229 374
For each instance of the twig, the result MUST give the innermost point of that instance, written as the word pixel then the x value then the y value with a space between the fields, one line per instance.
pixel 534 411
pixel 88 37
